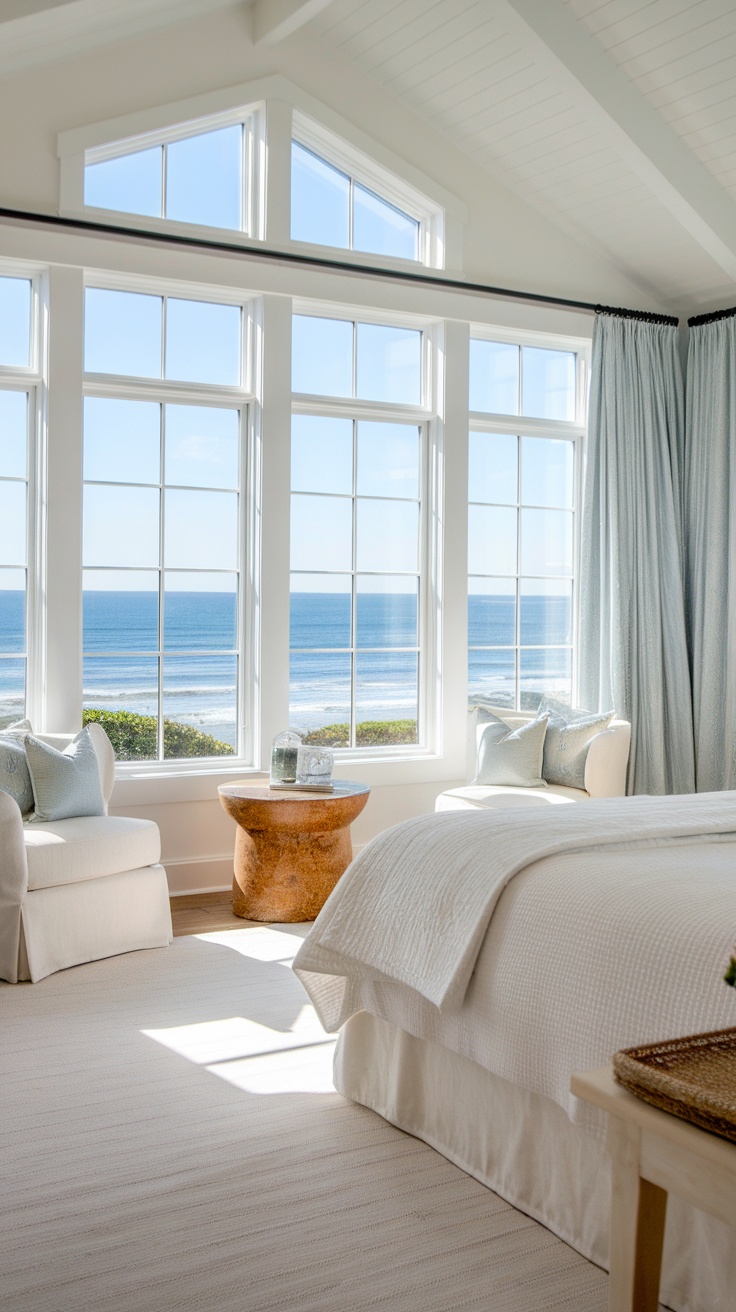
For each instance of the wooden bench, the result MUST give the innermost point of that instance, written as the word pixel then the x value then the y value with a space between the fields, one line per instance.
pixel 652 1154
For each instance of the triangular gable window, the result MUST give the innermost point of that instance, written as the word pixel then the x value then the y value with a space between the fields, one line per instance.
pixel 196 173
pixel 251 163
pixel 343 199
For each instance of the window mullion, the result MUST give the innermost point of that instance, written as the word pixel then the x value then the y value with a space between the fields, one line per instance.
pixel 354 595
pixel 161 585
pixel 517 625
pixel 62 488
pixel 351 216
pixel 245 170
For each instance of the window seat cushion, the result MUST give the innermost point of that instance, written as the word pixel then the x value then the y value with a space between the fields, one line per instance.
pixel 474 796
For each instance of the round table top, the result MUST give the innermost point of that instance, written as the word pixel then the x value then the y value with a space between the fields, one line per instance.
pixel 262 793
pixel 256 807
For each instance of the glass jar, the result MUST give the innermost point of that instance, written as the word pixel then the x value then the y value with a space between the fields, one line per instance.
pixel 284 753
pixel 314 765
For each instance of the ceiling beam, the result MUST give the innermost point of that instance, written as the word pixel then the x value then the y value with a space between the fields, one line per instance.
pixel 12 9
pixel 274 20
pixel 35 32
pixel 560 45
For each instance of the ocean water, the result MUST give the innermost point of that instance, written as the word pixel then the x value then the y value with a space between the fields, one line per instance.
pixel 200 673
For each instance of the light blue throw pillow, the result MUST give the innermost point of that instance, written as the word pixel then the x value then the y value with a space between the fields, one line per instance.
pixel 14 776
pixel 569 735
pixel 511 757
pixel 67 783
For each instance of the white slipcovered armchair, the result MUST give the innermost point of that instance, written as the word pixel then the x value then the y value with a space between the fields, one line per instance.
pixel 605 771
pixel 80 889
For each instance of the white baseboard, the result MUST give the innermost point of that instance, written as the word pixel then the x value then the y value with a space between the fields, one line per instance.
pixel 199 874
pixel 204 874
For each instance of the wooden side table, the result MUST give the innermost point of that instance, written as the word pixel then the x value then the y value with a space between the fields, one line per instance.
pixel 652 1154
pixel 290 847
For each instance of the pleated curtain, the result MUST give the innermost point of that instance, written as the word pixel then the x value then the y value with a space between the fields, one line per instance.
pixel 709 513
pixel 633 648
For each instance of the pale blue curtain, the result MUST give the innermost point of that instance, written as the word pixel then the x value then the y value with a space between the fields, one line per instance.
pixel 633 650
pixel 709 512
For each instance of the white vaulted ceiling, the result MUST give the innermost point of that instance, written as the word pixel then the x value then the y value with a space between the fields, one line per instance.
pixel 641 161
pixel 616 119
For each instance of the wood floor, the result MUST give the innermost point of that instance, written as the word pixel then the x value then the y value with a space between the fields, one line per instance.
pixel 205 913
pixel 202 913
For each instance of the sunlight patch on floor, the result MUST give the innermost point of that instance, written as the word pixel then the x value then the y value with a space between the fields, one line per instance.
pixel 256 1057
pixel 235 1037
pixel 259 942
pixel 306 1070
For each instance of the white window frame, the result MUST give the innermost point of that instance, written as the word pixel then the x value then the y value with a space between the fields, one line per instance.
pixel 278 110
pixel 426 416
pixel 249 118
pixel 169 123
pixel 31 379
pixel 389 187
pixel 242 397
pixel 573 431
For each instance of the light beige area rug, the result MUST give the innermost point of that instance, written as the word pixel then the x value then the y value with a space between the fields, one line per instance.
pixel 171 1142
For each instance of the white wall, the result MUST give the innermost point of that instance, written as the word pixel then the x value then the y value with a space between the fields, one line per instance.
pixel 505 243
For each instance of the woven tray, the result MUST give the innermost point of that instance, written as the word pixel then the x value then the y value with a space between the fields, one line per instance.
pixel 693 1077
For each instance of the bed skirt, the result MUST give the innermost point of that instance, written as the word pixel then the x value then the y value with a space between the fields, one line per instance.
pixel 523 1146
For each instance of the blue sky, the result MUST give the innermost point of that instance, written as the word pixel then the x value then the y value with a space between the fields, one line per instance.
pixel 321 202
pixel 203 180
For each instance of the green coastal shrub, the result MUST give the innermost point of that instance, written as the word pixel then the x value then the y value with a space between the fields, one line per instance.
pixel 134 737
pixel 370 733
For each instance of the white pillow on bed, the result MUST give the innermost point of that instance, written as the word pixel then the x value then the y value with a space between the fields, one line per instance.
pixel 510 757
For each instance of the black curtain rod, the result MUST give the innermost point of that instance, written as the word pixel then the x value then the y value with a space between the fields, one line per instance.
pixel 698 320
pixel 319 262
pixel 644 316
pixel 310 261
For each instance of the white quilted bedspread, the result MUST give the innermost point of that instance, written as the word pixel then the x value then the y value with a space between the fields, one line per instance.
pixel 614 928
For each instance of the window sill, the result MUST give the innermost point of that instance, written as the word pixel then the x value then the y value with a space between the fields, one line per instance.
pixel 156 787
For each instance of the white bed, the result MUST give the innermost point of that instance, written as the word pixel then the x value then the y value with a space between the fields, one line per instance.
pixel 591 948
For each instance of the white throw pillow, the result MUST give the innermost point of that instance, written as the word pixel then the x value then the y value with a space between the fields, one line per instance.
pixel 511 757
pixel 67 783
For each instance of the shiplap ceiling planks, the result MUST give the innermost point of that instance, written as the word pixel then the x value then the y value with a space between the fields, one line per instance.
pixel 471 70
pixel 681 56
pixel 465 66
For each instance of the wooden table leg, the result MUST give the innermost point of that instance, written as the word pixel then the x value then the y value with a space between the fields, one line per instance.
pixel 638 1210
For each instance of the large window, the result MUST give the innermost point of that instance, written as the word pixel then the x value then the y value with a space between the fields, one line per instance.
pixel 521 521
pixel 243 568
pixel 200 173
pixel 359 442
pixel 164 423
pixel 18 360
